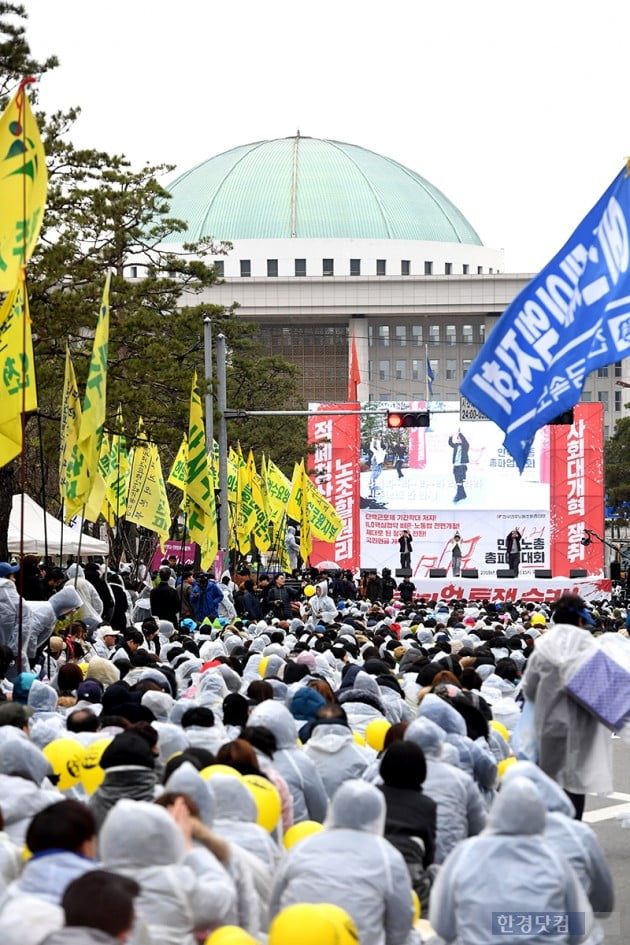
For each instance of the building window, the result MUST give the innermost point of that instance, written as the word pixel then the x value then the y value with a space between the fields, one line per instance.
pixel 451 334
pixel 451 369
pixel 246 268
pixel 400 333
pixel 435 367
pixel 300 267
pixel 479 270
pixel 602 371
pixel 370 334
pixel 602 396
pixel 448 269
pixel 328 267
pixel 586 397
pixel 272 267
pixel 383 370
pixel 369 370
pixel 405 267
pixel 467 334
pixel 133 272
pixel 381 267
pixel 465 269
pixel 617 368
pixel 428 268
pixel 482 333
pixel 355 267
pixel 434 334
pixel 466 366
pixel 617 401
pixel 416 335
pixel 416 370
pixel 383 335
pixel 401 370
pixel 219 266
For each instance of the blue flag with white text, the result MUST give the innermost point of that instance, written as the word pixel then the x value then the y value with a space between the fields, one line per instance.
pixel 573 318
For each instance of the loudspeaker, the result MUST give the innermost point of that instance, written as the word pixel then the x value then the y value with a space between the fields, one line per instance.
pixel 469 573
pixel 505 574
pixel 615 570
pixel 437 572
pixel 403 572
pixel 578 572
pixel 543 573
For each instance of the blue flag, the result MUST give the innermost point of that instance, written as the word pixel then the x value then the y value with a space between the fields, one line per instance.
pixel 430 377
pixel 572 318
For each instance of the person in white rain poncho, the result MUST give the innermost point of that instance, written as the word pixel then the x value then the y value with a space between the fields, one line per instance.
pixel 351 865
pixel 508 870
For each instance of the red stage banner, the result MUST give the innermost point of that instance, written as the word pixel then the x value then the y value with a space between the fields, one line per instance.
pixel 335 471
pixel 577 491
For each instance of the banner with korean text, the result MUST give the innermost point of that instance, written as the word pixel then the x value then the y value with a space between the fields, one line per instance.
pixel 335 474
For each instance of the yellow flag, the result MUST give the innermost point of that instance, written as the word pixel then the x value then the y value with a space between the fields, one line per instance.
pixel 325 522
pixel 147 504
pixel 246 513
pixel 119 467
pixel 94 403
pixel 201 507
pixel 260 525
pixel 294 502
pixel 178 475
pixel 104 469
pixel 306 537
pixel 18 392
pixel 23 187
pixel 70 423
pixel 278 492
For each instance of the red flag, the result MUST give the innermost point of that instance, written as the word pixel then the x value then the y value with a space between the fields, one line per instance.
pixel 354 375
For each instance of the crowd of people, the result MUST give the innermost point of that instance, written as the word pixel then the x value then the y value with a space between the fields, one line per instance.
pixel 255 759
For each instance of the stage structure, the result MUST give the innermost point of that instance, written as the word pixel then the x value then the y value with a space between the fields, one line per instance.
pixel 455 476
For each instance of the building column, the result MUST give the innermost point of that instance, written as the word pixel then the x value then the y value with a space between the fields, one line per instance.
pixel 358 328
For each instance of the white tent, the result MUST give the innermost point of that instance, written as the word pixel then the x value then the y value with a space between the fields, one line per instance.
pixel 61 538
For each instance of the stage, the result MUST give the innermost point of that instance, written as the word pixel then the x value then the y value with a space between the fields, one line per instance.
pixel 534 590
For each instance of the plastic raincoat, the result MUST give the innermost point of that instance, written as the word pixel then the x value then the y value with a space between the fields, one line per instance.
pixel 522 873
pixel 574 748
pixel 351 865
pixel 177 895
pixel 460 808
pixel 306 786
pixel 336 755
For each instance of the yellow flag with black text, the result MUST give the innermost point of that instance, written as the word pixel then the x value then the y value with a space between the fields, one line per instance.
pixel 147 503
pixel 69 432
pixel 23 187
pixel 201 506
pixel 18 392
pixel 119 467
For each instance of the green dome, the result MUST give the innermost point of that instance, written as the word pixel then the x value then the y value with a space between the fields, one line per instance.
pixel 313 189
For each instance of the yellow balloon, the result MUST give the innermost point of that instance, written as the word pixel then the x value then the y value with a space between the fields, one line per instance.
pixel 65 757
pixel 501 729
pixel 230 935
pixel 91 773
pixel 375 733
pixel 262 666
pixel 359 739
pixel 309 590
pixel 211 770
pixel 313 924
pixel 505 764
pixel 298 832
pixel 417 908
pixel 268 800
pixel 83 667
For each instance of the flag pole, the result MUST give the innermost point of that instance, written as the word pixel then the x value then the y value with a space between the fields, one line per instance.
pixel 41 463
pixel 426 371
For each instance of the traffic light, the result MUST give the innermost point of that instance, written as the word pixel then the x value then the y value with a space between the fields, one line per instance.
pixel 396 419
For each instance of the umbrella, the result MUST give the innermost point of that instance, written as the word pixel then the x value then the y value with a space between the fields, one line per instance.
pixel 328 566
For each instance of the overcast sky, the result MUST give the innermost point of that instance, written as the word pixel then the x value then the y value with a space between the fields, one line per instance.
pixel 517 111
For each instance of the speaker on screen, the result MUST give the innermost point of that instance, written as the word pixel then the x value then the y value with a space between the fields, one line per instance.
pixel 578 572
pixel 437 572
pixel 505 574
pixel 543 573
pixel 403 572
pixel 469 573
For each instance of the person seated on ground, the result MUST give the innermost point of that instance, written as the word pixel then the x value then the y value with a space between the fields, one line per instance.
pixel 350 865
pixel 522 874
pixel 62 841
pixel 98 909
pixel 411 819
